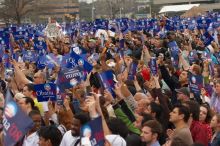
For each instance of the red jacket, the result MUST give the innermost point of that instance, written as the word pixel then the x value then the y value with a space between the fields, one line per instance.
pixel 199 133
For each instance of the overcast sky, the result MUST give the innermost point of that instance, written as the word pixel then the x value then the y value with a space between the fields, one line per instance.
pixel 88 1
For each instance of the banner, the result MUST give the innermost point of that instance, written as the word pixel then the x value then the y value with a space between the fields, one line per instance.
pixel 16 123
pixel 44 92
pixel 92 133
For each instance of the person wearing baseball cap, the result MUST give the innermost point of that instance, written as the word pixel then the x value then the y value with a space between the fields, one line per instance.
pixel 183 94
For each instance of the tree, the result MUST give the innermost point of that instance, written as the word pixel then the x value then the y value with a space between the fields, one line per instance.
pixel 15 10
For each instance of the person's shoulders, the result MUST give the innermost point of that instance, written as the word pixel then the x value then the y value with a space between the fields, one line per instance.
pixel 183 131
pixel 68 134
pixel 31 139
pixel 67 139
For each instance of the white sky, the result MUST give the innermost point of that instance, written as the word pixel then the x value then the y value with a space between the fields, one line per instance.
pixel 88 1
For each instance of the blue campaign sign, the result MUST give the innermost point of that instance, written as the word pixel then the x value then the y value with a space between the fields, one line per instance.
pixel 206 55
pixel 40 45
pixel 70 77
pixel 211 69
pixel 133 71
pixel 192 24
pixel 203 23
pixel 193 56
pixel 74 60
pixel 174 49
pixel 53 59
pixel 6 60
pixel 41 62
pixel 78 50
pixel 14 127
pixel 44 92
pixel 107 82
pixel 20 34
pixel 169 25
pixel 10 29
pixel 132 25
pixel 122 44
pixel 4 42
pixel 153 66
pixel 101 24
pixel 29 56
pixel 196 83
pixel 92 133
pixel 122 25
pixel 207 38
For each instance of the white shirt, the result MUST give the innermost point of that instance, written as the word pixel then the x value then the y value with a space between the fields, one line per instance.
pixel 68 139
pixel 62 129
pixel 31 140
pixel 205 99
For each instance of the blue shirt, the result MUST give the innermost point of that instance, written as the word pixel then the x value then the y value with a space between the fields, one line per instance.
pixel 155 144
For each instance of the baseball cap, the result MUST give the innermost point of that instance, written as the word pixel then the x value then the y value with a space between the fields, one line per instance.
pixel 183 90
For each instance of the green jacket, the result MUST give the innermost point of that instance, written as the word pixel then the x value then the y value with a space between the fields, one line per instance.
pixel 121 115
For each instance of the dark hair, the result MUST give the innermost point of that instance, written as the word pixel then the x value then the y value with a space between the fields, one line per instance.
pixel 146 117
pixel 133 140
pixel 209 113
pixel 183 110
pixel 197 69
pixel 30 87
pixel 116 126
pixel 82 117
pixel 30 101
pixel 155 126
pixel 194 109
pixel 218 70
pixel 34 112
pixel 51 133
pixel 157 109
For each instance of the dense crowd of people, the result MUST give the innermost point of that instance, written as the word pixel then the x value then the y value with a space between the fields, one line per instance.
pixel 155 99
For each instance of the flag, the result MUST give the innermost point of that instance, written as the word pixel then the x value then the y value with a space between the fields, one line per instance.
pixel 44 92
pixel 15 122
pixel 92 133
